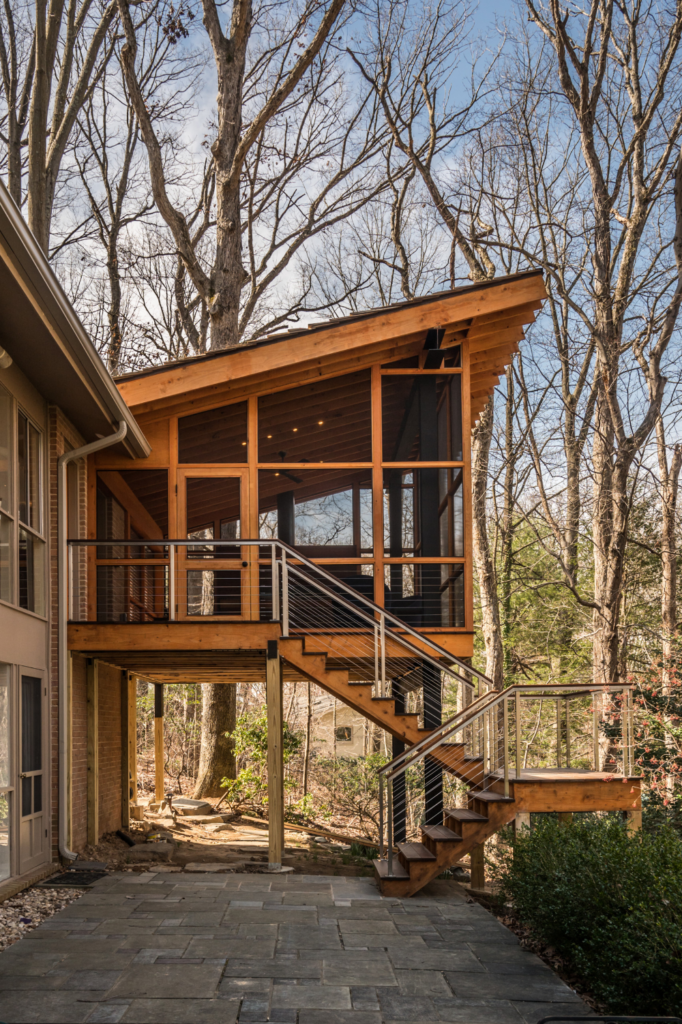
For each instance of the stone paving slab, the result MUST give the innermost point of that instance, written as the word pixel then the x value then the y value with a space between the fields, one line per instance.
pixel 243 949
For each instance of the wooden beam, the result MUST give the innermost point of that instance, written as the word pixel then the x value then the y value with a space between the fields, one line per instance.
pixel 92 751
pixel 275 757
pixel 325 341
pixel 477 857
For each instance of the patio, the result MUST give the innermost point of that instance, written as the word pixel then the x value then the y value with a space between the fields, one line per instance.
pixel 294 949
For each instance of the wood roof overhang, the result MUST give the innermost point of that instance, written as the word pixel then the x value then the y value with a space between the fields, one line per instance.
pixel 490 315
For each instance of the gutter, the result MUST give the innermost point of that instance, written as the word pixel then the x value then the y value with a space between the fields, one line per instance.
pixel 63 617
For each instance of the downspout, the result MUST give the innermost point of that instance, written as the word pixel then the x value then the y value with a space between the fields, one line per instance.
pixel 63 618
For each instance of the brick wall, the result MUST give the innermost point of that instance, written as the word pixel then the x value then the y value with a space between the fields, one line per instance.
pixel 62 436
pixel 110 776
pixel 79 753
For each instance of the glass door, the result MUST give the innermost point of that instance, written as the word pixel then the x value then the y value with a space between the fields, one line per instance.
pixel 32 797
pixel 213 578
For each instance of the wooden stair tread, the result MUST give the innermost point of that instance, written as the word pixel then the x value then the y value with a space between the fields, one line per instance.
pixel 463 814
pixel 415 851
pixel 441 834
pixel 399 872
pixel 491 798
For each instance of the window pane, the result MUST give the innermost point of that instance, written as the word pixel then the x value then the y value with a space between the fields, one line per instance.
pixel 31 572
pixel 28 451
pixel 132 593
pixel 423 513
pixel 132 504
pixel 426 595
pixel 26 795
pixel 216 435
pixel 422 418
pixel 5 451
pixel 328 421
pixel 6 553
pixel 324 513
pixel 31 724
pixel 37 793
pixel 4 726
pixel 214 513
pixel 214 592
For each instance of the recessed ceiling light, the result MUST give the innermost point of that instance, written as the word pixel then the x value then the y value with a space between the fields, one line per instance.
pixel 295 430
pixel 276 474
pixel 269 436
pixel 320 422
pixel 243 444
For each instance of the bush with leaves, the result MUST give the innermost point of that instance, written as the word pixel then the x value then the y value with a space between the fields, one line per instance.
pixel 609 902
pixel 251 751
pixel 353 786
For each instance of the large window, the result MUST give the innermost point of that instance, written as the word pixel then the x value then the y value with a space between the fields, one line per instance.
pixel 328 421
pixel 22 547
pixel 216 435
pixel 422 417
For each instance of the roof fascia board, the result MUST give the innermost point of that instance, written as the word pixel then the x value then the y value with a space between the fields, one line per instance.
pixel 322 344
pixel 39 284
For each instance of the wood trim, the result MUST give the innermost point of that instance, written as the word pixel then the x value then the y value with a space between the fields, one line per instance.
pixel 377 487
pixel 253 594
pixel 466 490
pixel 92 535
pixel 160 636
pixel 420 371
pixel 315 465
pixel 132 736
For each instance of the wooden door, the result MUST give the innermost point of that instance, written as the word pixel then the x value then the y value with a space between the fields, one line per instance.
pixel 214 582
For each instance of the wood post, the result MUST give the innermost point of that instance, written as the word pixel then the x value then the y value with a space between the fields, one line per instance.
pixel 478 867
pixel 125 752
pixel 92 751
pixel 565 817
pixel 275 757
pixel 633 820
pixel 159 793
pixel 521 823
pixel 132 736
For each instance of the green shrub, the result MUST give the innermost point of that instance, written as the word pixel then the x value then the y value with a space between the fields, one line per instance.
pixel 609 902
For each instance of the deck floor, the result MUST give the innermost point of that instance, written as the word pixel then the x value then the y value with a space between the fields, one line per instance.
pixel 296 949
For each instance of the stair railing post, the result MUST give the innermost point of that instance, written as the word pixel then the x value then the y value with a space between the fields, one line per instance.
pixel 285 595
pixel 171 582
pixel 484 745
pixel 558 732
pixel 517 715
pixel 568 732
pixel 505 729
pixel 595 732
pixel 275 583
pixel 383 655
pixel 624 730
pixel 376 657
pixel 381 817
pixel 389 824
pixel 631 718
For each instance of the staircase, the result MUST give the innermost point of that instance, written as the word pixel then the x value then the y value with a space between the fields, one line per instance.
pixel 355 651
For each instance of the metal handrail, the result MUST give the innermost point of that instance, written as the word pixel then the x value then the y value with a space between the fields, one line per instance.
pixel 377 609
pixel 288 567
pixel 484 703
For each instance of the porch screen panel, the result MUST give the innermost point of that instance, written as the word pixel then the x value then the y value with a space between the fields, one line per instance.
pixel 327 421
pixel 426 595
pixel 424 513
pixel 213 436
pixel 422 418
pixel 214 514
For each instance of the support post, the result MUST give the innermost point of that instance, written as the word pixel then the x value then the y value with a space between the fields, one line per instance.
pixel 568 732
pixel 633 820
pixel 505 741
pixel 478 867
pixel 125 752
pixel 399 782
pixel 131 740
pixel 565 817
pixel 433 769
pixel 517 723
pixel 92 751
pixel 595 732
pixel 275 757
pixel 521 823
pixel 159 793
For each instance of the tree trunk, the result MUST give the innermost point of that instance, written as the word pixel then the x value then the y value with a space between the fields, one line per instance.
pixel 218 717
pixel 490 608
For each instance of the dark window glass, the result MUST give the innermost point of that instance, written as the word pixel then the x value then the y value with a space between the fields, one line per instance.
pixel 214 513
pixel 28 450
pixel 26 794
pixel 31 724
pixel 214 592
pixel 422 418
pixel 424 513
pixel 328 421
pixel 31 572
pixel 325 513
pixel 344 734
pixel 37 793
pixel 426 595
pixel 132 504
pixel 132 593
pixel 216 435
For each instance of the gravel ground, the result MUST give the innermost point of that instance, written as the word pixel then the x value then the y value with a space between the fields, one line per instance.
pixel 20 914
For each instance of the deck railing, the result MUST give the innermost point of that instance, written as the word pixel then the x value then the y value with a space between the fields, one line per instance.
pixel 147 581
pixel 503 736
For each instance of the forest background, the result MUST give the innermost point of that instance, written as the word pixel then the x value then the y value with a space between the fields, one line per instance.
pixel 202 173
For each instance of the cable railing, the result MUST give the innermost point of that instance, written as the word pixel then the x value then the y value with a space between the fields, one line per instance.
pixel 148 581
pixel 502 737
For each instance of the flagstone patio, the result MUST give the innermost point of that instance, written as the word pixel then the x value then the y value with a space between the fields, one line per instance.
pixel 291 949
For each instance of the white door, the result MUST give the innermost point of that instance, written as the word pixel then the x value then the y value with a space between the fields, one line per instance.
pixel 32 795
